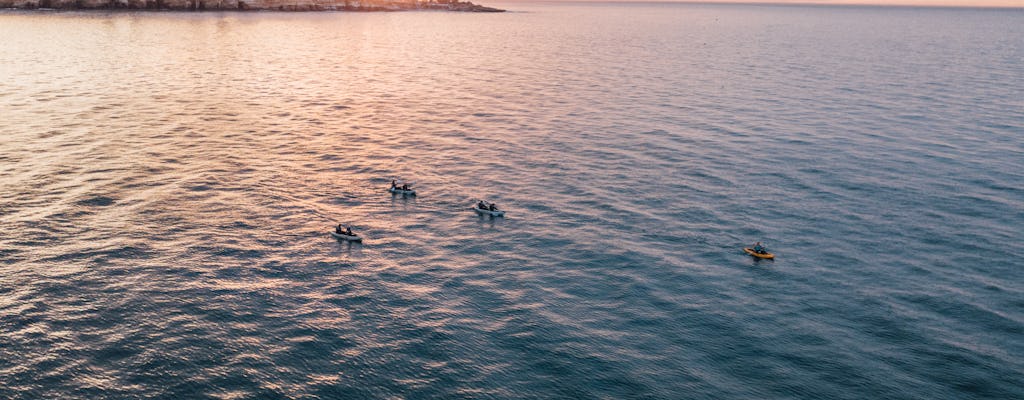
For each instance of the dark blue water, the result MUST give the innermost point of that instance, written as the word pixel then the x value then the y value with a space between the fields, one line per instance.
pixel 168 182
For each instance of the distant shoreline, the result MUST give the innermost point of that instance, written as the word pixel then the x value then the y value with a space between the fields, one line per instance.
pixel 794 3
pixel 246 5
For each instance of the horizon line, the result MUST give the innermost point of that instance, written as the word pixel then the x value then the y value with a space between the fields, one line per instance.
pixel 841 3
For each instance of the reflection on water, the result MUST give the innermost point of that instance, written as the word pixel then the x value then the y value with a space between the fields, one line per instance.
pixel 169 180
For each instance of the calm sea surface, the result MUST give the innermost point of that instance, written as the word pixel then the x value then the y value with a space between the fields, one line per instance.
pixel 168 181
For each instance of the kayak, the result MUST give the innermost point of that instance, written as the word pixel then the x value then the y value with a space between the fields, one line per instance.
pixel 400 191
pixel 495 213
pixel 767 256
pixel 351 238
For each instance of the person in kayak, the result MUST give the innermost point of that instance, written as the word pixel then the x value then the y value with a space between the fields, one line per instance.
pixel 394 185
pixel 405 186
pixel 338 230
pixel 759 249
pixel 492 207
pixel 481 205
pixel 348 231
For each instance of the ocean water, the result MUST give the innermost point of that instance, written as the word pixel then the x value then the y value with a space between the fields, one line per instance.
pixel 168 182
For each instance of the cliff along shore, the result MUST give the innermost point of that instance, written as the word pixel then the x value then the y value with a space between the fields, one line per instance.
pixel 275 5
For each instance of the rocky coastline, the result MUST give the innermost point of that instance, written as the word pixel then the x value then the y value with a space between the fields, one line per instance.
pixel 248 5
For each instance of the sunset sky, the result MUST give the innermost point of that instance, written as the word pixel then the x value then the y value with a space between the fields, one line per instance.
pixel 959 3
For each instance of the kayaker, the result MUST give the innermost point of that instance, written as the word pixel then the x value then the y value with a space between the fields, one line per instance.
pixel 492 207
pixel 759 249
pixel 405 186
pixel 481 205
pixel 348 231
pixel 338 229
pixel 394 184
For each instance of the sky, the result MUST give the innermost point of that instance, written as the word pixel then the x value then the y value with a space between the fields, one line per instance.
pixel 959 3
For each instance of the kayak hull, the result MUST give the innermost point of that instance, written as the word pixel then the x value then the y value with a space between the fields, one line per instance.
pixel 496 213
pixel 400 191
pixel 352 238
pixel 765 256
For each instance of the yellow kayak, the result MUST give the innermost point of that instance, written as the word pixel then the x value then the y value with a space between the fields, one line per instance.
pixel 768 256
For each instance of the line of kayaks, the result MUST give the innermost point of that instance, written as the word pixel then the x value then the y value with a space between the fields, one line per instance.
pixel 500 213
pixel 412 192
